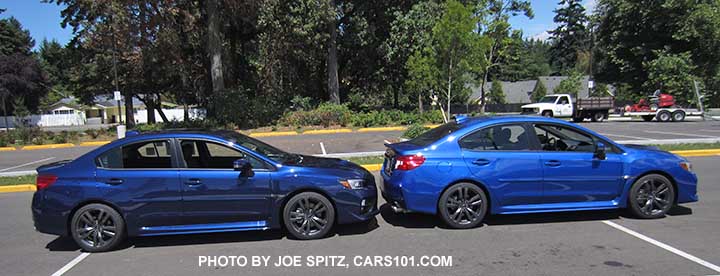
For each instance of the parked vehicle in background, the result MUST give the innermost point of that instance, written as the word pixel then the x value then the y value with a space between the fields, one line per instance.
pixel 661 107
pixel 564 105
pixel 184 182
pixel 471 167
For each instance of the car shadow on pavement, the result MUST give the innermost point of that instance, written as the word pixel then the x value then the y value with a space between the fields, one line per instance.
pixel 67 243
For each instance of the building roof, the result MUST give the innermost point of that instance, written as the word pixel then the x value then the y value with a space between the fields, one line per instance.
pixel 521 91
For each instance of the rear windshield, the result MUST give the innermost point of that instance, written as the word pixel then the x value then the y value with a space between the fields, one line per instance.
pixel 435 134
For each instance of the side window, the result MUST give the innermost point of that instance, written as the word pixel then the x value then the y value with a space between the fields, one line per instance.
pixel 559 138
pixel 564 100
pixel 210 155
pixel 142 155
pixel 503 137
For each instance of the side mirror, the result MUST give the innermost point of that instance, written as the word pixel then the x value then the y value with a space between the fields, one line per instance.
pixel 600 151
pixel 244 167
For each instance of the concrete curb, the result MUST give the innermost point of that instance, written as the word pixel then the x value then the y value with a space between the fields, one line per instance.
pixel 48 146
pixel 327 131
pixel 7 148
pixel 374 129
pixel 17 188
pixel 273 134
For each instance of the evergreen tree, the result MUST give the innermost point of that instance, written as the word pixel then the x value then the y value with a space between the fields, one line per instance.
pixel 539 91
pixel 496 96
pixel 570 38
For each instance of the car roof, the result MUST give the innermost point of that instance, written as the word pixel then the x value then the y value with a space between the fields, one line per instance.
pixel 185 132
pixel 509 118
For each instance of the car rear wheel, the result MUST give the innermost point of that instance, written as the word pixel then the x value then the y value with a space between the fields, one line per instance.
pixel 598 117
pixel 463 205
pixel 308 215
pixel 97 228
pixel 651 196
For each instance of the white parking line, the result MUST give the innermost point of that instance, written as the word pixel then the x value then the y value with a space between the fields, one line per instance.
pixel 322 147
pixel 663 246
pixel 626 136
pixel 711 130
pixel 23 165
pixel 71 264
pixel 680 134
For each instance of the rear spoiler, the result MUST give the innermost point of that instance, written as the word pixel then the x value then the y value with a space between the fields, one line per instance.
pixel 53 165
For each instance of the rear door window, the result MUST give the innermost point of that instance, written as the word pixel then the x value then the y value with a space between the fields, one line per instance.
pixel 512 137
pixel 141 155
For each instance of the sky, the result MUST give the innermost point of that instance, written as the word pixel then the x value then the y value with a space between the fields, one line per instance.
pixel 43 19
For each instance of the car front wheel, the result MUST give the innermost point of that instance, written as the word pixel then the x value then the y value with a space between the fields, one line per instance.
pixel 97 228
pixel 308 215
pixel 463 205
pixel 651 196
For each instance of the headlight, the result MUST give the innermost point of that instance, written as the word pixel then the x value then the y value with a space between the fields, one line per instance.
pixel 686 166
pixel 353 184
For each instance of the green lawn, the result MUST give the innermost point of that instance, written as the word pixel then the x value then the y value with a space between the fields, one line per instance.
pixel 689 146
pixel 368 160
pixel 15 180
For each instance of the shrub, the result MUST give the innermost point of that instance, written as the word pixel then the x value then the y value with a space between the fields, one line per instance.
pixel 326 115
pixel 38 140
pixel 4 139
pixel 414 131
pixel 59 139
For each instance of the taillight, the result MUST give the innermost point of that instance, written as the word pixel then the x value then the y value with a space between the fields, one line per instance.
pixel 45 180
pixel 409 162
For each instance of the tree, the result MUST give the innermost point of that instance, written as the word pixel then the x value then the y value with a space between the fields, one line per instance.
pixel 571 85
pixel 495 15
pixel 570 37
pixel 215 46
pixel 526 60
pixel 496 96
pixel 539 91
pixel 454 55
pixel 410 32
pixel 672 74
pixel 332 58
pixel 20 73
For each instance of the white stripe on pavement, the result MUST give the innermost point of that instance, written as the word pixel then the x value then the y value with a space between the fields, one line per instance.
pixel 626 136
pixel 23 165
pixel 663 246
pixel 71 264
pixel 680 134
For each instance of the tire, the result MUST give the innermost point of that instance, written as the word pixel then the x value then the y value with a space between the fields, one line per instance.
pixel 664 116
pixel 308 216
pixel 647 118
pixel 598 117
pixel 655 190
pixel 463 206
pixel 577 119
pixel 678 116
pixel 547 113
pixel 97 228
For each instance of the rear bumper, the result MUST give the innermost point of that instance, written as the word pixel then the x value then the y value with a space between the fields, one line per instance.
pixel 45 220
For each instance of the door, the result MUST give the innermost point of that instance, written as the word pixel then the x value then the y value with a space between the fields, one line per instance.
pixel 571 173
pixel 213 192
pixel 564 106
pixel 141 178
pixel 500 157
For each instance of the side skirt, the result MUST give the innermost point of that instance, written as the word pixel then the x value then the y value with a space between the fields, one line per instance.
pixel 202 228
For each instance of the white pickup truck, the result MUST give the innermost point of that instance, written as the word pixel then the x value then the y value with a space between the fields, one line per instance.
pixel 563 105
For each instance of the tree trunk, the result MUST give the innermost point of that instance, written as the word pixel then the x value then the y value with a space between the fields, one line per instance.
pixel 449 89
pixel 332 62
pixel 150 111
pixel 215 47
pixel 162 113
pixel 129 110
pixel 186 113
pixel 420 103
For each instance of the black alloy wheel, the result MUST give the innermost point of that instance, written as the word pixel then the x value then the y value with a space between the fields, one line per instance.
pixel 463 205
pixel 651 196
pixel 97 228
pixel 308 215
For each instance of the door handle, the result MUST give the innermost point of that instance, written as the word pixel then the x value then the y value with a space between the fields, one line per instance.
pixel 193 182
pixel 552 163
pixel 481 162
pixel 114 181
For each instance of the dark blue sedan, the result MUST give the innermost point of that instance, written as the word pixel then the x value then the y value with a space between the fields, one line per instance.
pixel 183 182
pixel 466 169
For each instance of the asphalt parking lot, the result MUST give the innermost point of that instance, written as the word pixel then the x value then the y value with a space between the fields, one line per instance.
pixel 23 160
pixel 577 243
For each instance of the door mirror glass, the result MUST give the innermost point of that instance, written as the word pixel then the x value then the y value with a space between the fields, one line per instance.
pixel 244 167
pixel 600 151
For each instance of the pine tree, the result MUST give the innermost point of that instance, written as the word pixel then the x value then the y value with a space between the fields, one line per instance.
pixel 571 35
pixel 539 91
pixel 497 96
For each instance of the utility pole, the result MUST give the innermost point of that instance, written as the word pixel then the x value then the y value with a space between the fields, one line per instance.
pixel 7 126
pixel 116 93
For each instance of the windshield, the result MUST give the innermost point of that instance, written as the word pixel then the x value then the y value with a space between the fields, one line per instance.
pixel 260 147
pixel 435 134
pixel 548 99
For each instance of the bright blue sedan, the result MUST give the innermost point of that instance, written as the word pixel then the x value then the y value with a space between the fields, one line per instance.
pixel 466 169
pixel 181 182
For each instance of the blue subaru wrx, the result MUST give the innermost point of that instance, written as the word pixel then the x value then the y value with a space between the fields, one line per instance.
pixel 466 169
pixel 182 182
